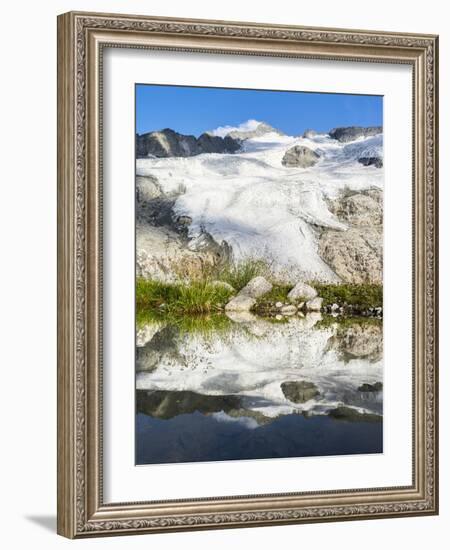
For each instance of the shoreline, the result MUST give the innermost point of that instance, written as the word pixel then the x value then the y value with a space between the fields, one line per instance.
pixel 259 297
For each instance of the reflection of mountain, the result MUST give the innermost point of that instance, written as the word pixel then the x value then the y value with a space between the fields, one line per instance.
pixel 233 408
pixel 359 341
pixel 167 404
pixel 163 344
pixel 261 370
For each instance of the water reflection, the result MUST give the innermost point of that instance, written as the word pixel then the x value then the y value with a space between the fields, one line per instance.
pixel 258 382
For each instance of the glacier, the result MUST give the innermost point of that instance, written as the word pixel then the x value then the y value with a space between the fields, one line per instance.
pixel 262 209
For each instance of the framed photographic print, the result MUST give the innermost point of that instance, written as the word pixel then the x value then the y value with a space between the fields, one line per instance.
pixel 247 283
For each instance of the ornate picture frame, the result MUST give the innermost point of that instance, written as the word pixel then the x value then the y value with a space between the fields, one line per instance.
pixel 82 37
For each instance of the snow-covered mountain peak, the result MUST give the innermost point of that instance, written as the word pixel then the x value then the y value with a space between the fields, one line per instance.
pixel 246 130
pixel 247 126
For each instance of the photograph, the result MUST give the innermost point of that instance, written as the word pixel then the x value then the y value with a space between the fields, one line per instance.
pixel 247 272
pixel 259 274
pixel 235 236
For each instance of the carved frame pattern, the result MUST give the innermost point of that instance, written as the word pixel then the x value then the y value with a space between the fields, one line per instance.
pixel 81 37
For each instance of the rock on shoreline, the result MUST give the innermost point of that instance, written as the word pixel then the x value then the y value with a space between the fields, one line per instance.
pixel 246 298
pixel 240 303
pixel 256 288
pixel 302 290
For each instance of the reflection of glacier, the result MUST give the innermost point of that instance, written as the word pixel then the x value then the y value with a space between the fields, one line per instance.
pixel 232 197
pixel 255 357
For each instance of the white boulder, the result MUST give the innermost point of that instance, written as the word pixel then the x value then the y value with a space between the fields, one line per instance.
pixel 240 303
pixel 241 316
pixel 302 290
pixel 315 304
pixel 288 310
pixel 257 287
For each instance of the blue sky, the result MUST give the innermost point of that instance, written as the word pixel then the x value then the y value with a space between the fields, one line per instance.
pixel 190 110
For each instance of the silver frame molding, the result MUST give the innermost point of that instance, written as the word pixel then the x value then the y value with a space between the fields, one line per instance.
pixel 81 39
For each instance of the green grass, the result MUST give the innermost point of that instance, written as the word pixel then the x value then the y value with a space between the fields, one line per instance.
pixel 240 274
pixel 152 294
pixel 201 297
pixel 203 324
pixel 278 293
pixel 363 295
pixel 197 297
pixel 345 322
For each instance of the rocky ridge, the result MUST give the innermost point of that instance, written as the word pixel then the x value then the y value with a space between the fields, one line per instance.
pixel 350 133
pixel 168 143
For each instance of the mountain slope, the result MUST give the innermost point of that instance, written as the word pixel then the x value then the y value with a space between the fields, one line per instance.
pixel 261 209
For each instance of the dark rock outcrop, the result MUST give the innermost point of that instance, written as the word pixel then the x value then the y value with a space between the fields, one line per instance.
pixel 350 133
pixel 299 156
pixel 378 386
pixel 152 204
pixel 371 161
pixel 216 144
pixel 168 143
pixel 349 414
pixel 299 392
pixel 168 404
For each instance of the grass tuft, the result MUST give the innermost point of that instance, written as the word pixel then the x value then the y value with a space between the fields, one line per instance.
pixel 152 294
pixel 278 293
pixel 198 297
pixel 240 274
pixel 362 295
pixel 344 322
pixel 203 324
